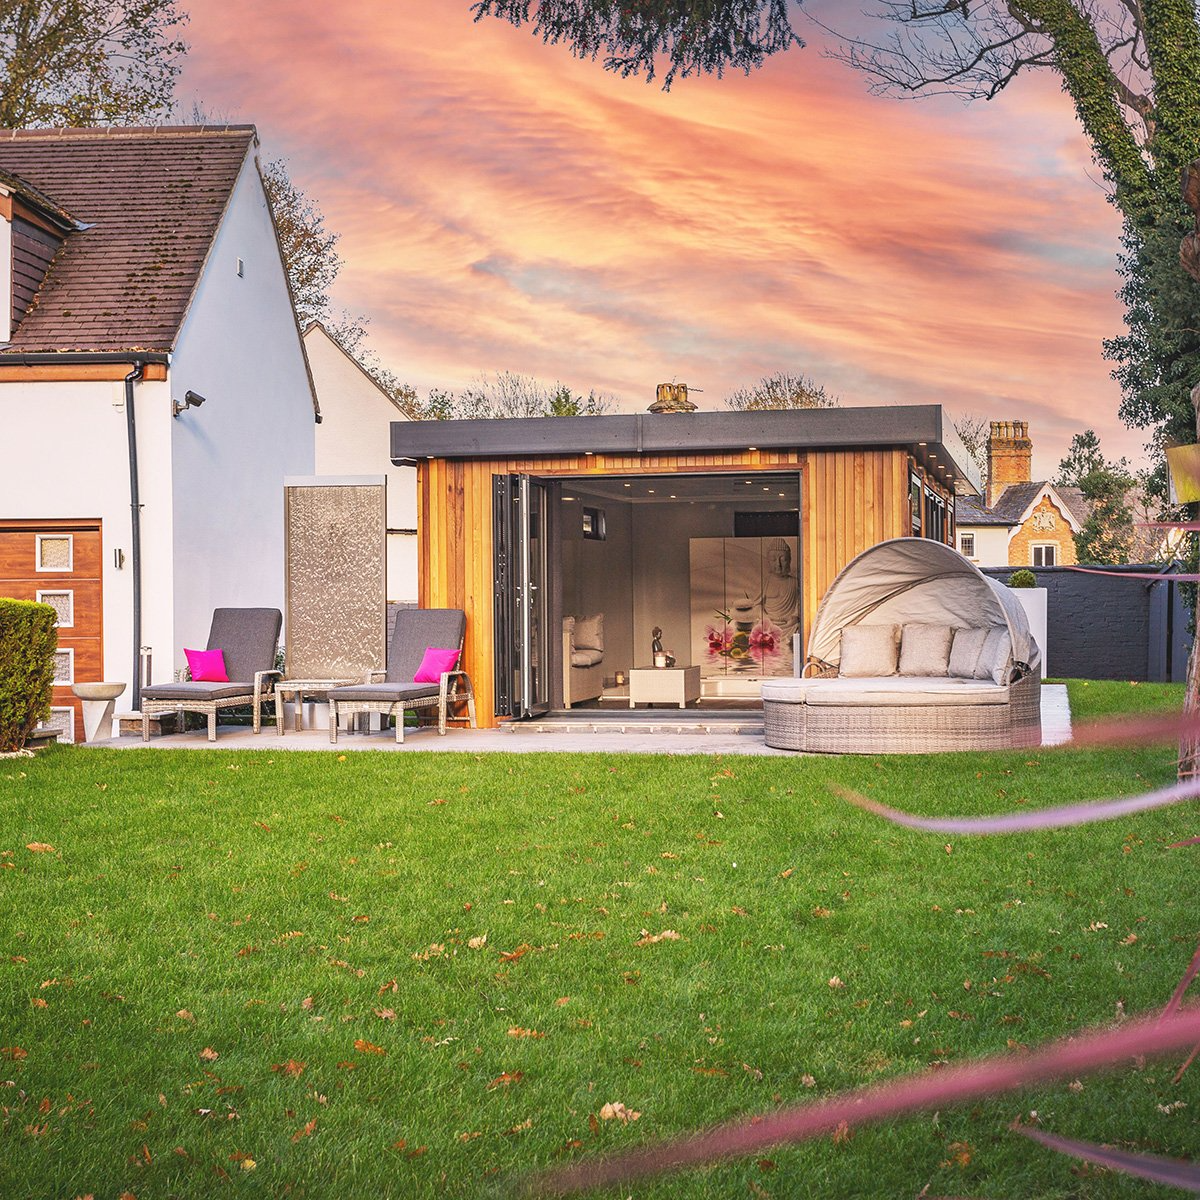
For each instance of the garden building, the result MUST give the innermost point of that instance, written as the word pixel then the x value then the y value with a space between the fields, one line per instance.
pixel 569 541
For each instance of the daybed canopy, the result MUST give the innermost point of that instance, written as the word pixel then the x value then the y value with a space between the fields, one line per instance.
pixel 916 580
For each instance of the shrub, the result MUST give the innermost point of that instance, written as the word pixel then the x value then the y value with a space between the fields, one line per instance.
pixel 28 640
pixel 1022 579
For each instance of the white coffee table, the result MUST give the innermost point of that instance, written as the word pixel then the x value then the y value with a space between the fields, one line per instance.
pixel 664 685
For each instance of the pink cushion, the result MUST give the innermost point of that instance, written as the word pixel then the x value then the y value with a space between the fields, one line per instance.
pixel 435 663
pixel 207 666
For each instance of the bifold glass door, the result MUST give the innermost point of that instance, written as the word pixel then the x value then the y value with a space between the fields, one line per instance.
pixel 521 595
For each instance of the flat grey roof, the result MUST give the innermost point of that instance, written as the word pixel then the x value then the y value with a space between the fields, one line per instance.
pixel 922 429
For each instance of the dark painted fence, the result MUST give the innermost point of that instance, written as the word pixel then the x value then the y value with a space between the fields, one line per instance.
pixel 1108 627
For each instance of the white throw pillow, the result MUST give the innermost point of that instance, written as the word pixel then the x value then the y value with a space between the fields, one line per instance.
pixel 995 659
pixel 925 649
pixel 589 632
pixel 965 651
pixel 869 650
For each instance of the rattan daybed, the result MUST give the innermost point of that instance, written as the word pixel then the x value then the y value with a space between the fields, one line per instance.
pixel 929 593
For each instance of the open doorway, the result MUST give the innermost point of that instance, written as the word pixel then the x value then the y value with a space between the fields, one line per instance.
pixel 712 561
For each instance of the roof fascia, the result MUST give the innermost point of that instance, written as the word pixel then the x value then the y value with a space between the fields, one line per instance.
pixel 1048 492
pixel 313 325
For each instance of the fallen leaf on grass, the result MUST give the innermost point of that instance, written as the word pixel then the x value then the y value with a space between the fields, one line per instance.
pixel 616 1111
pixel 208 1054
pixel 524 1125
pixel 385 1014
pixel 505 1079
pixel 469 1137
pixel 292 1069
pixel 517 1032
pixel 650 939
pixel 513 955
pixel 563 1000
pixel 306 1131
pixel 709 1071
pixel 835 982
pixel 40 847
pixel 365 1047
pixel 477 943
pixel 822 912
pixel 185 1014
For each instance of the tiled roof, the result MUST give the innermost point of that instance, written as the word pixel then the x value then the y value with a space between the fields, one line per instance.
pixel 152 198
pixel 1013 502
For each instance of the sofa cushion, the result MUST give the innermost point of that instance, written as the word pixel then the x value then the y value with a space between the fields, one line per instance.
pixel 586 658
pixel 964 651
pixel 384 693
pixel 925 649
pixel 869 650
pixel 589 633
pixel 995 659
pixel 198 690
pixel 889 692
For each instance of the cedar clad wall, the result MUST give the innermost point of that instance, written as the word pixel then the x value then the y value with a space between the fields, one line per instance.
pixel 849 500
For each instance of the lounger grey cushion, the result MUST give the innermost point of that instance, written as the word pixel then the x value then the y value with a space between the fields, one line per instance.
pixel 416 630
pixel 964 653
pixel 925 649
pixel 384 693
pixel 248 637
pixel 869 650
pixel 198 691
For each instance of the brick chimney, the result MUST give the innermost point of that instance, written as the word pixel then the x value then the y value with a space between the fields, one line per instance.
pixel 1010 457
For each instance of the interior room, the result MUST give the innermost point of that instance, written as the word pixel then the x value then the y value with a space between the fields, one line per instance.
pixel 712 561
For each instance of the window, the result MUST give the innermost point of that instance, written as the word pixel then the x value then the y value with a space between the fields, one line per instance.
pixel 63 604
pixel 594 525
pixel 54 551
pixel 1044 555
pixel 966 543
pixel 935 507
pixel 914 497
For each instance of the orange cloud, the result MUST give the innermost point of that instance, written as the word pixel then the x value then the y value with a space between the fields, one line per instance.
pixel 503 206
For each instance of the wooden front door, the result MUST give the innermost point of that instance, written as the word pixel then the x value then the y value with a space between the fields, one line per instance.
pixel 58 563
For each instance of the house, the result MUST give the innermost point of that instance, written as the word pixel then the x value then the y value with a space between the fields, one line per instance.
pixel 1020 521
pixel 711 536
pixel 154 391
pixel 352 439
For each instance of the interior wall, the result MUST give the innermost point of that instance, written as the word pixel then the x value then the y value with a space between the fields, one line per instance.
pixel 597 575
pixel 662 571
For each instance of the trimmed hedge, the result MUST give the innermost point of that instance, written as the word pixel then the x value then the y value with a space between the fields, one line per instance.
pixel 28 640
pixel 1024 578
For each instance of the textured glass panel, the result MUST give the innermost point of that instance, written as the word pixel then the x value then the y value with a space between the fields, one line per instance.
pixel 63 604
pixel 62 719
pixel 64 666
pixel 336 581
pixel 54 553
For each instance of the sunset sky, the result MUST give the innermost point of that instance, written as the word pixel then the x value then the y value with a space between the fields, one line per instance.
pixel 503 206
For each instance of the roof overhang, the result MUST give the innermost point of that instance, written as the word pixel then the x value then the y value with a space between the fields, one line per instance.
pixel 922 429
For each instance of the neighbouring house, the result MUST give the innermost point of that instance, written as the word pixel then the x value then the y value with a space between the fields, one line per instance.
pixel 352 440
pixel 154 391
pixel 570 541
pixel 1020 521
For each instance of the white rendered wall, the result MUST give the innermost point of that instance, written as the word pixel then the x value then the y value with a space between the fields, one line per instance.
pixel 73 462
pixel 239 349
pixel 991 544
pixel 354 439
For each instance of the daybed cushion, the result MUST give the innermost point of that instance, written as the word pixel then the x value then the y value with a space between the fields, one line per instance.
pixel 197 691
pixel 869 650
pixel 925 649
pixel 995 659
pixel 589 633
pixel 894 692
pixel 964 653
pixel 586 658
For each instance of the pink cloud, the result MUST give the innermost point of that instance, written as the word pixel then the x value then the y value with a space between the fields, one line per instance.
pixel 504 206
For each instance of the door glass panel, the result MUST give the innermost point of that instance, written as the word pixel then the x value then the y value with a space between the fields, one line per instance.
pixel 533 593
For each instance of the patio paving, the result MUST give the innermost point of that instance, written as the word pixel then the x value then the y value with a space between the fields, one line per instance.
pixel 666 738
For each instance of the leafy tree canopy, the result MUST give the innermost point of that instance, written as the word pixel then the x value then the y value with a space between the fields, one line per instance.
pixel 693 36
pixel 1107 535
pixel 88 62
pixel 782 390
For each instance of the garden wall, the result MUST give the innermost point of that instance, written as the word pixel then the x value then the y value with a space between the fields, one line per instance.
pixel 1107 627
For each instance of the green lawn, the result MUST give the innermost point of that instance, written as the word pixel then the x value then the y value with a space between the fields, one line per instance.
pixel 261 974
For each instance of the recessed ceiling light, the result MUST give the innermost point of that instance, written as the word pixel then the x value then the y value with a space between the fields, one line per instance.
pixel 629 485
pixel 766 489
pixel 781 493
pixel 651 491
pixel 751 447
pixel 672 495
pixel 589 453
